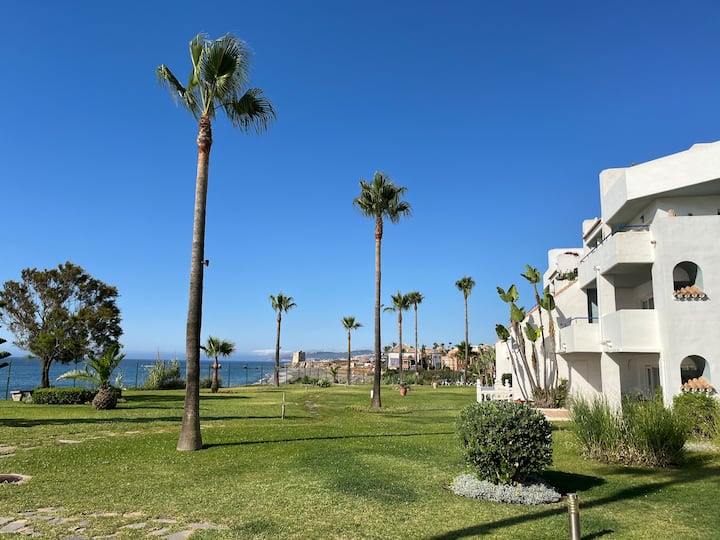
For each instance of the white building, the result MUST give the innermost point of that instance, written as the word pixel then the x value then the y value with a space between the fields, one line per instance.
pixel 640 314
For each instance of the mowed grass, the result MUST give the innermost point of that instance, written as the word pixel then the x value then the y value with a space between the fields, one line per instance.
pixel 332 468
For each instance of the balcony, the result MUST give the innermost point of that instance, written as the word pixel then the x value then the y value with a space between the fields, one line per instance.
pixel 622 252
pixel 580 336
pixel 631 330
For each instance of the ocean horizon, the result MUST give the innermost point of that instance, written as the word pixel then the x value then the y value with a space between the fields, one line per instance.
pixel 23 373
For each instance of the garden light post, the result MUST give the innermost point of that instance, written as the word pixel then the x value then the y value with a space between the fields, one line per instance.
pixel 574 516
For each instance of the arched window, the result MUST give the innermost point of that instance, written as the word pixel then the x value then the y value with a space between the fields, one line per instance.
pixel 686 274
pixel 688 282
pixel 693 367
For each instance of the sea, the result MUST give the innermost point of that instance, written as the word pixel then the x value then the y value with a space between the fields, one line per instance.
pixel 22 373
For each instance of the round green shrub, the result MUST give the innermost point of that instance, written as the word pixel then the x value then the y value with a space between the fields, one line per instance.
pixel 504 442
pixel 699 412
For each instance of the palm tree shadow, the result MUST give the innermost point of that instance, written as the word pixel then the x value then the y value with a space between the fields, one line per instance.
pixel 570 482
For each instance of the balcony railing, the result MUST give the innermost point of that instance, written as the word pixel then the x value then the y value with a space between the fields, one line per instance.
pixel 629 244
pixel 631 330
pixel 580 334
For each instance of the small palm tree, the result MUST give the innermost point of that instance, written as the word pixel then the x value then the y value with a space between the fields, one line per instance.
pixel 218 80
pixel 349 324
pixel 401 302
pixel 380 199
pixel 214 348
pixel 98 371
pixel 280 304
pixel 416 298
pixel 465 286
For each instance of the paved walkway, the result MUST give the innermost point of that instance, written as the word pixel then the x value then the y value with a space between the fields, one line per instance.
pixel 556 414
pixel 50 523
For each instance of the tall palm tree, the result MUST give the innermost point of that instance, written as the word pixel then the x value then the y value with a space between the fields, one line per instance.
pixel 401 302
pixel 380 199
pixel 218 80
pixel 214 348
pixel 349 323
pixel 416 298
pixel 465 286
pixel 281 304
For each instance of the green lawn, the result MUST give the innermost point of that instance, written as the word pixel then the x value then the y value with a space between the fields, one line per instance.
pixel 331 469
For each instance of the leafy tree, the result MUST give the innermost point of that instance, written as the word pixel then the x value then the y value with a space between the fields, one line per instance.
pixel 349 323
pixel 98 371
pixel 280 304
pixel 218 79
pixel 60 315
pixel 3 354
pixel 465 286
pixel 380 199
pixel 214 348
pixel 465 350
pixel 416 298
pixel 401 302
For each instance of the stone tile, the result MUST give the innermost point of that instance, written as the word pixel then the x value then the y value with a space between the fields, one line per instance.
pixel 14 526
pixel 182 535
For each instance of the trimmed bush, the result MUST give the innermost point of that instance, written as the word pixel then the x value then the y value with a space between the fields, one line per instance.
pixel 504 442
pixel 699 412
pixel 62 396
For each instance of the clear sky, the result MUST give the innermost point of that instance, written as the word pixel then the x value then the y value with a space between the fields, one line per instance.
pixel 496 116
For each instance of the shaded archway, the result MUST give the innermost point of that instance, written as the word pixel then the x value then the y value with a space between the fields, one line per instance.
pixel 687 274
pixel 692 367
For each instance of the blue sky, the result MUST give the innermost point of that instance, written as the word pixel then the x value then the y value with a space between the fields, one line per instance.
pixel 497 117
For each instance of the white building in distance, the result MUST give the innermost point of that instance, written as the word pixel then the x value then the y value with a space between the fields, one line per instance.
pixel 635 306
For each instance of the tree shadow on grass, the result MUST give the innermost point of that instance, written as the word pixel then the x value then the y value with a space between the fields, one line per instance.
pixel 570 482
pixel 327 438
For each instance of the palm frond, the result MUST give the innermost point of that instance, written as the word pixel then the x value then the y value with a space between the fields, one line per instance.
pixel 252 111
pixel 381 198
pixel 184 96
pixel 81 374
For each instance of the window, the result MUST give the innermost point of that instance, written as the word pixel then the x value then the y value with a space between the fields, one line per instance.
pixel 652 374
pixel 592 305
pixel 649 303
pixel 686 274
pixel 692 367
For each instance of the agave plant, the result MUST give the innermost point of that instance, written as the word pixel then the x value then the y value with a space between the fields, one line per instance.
pixel 98 371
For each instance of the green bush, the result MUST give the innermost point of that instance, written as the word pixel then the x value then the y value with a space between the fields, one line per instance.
pixel 699 412
pixel 504 442
pixel 644 432
pixel 597 427
pixel 164 375
pixel 654 433
pixel 206 382
pixel 315 381
pixel 62 396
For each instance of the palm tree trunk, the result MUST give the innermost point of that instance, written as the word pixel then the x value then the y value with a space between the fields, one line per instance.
pixel 215 383
pixel 417 363
pixel 349 374
pixel 467 343
pixel 401 346
pixel 190 437
pixel 277 350
pixel 376 402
